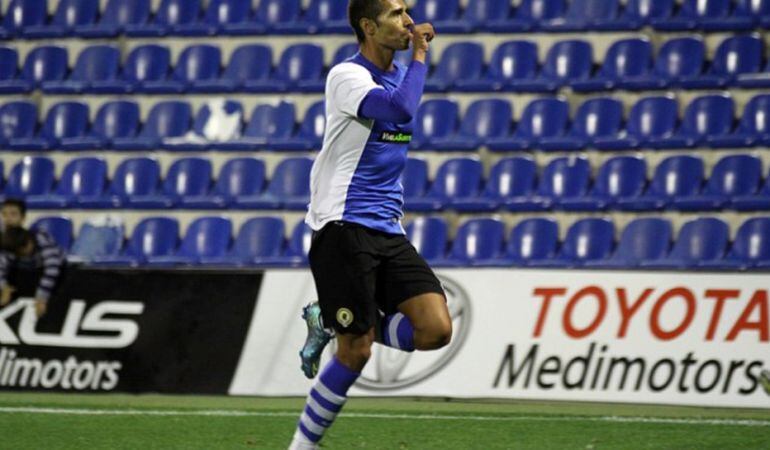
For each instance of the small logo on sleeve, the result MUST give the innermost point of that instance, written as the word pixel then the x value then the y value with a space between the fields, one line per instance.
pixel 398 138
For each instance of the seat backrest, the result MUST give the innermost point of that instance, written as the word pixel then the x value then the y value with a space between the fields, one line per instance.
pixel 702 239
pixel 33 175
pixel 18 120
pixel 434 10
pixel 66 119
pixel 268 121
pixel 116 119
pixel 487 118
pixel 565 177
pixel 458 177
pixel 83 176
pixel 752 241
pixel 414 178
pixel 25 13
pixel 705 8
pixel 512 177
pixel 756 116
pixel 96 63
pixel 709 115
pixel 147 63
pixel 737 55
pixel 58 227
pixel 320 11
pixel 168 119
pixel 753 8
pixel 188 176
pixel 514 60
pixel 344 52
pixel 592 9
pixel 681 57
pixel 300 239
pixel 47 63
pixel 208 237
pixel 598 117
pixel 533 239
pixel 483 11
pixel 71 13
pixel 644 10
pixel 177 12
pixel 154 236
pixel 136 176
pixel 545 117
pixel 9 63
pixel 588 239
pixel 301 62
pixel 241 176
pixel 428 235
pixel 260 237
pixel 628 58
pixel 460 61
pixel 678 175
pixel 314 123
pixel 436 118
pixel 278 11
pixel 227 11
pixel 569 60
pixel 249 62
pixel 98 240
pixel 478 239
pixel 125 12
pixel 291 178
pixel 536 10
pixel 199 62
pixel 647 238
pixel 621 176
pixel 735 175
pixel 653 117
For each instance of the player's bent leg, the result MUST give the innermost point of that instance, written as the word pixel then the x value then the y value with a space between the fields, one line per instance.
pixel 430 318
pixel 355 350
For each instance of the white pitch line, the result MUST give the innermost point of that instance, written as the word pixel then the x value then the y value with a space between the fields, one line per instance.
pixel 241 413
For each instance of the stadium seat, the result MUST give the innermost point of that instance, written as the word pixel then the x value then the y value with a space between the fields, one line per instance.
pixel 300 69
pixel 414 181
pixel 82 177
pixel 10 81
pixel 196 64
pixel 134 178
pixel 621 177
pixel 23 14
pixel 95 64
pixel 118 15
pixel 509 179
pixel 456 178
pixel 324 16
pixel 45 63
pixel 218 120
pixel 282 16
pixel 733 176
pixel 310 134
pixel 701 241
pixel 646 239
pixel 587 240
pixel 436 121
pixel 69 15
pixel 58 227
pixel 531 13
pixel 677 59
pixel 706 117
pixel 484 119
pixel 289 188
pixel 18 120
pixel 146 63
pixel 297 249
pixel 97 240
pixel 344 52
pixel 488 15
pixel 530 241
pixel 625 59
pixel 259 241
pixel 115 120
pixel 152 237
pixel 223 16
pixel 639 13
pixel 562 178
pixel 566 62
pixel 735 56
pixel 428 235
pixel 751 247
pixel 64 120
pixel 675 177
pixel 595 118
pixel 251 63
pixel 753 129
pixel 650 119
pixel 460 61
pixel 541 118
pixel 33 175
pixel 170 17
pixel 709 15
pixel 756 10
pixel 443 14
pixel 206 237
pixel 239 177
pixel 587 15
pixel 477 242
pixel 267 124
pixel 169 119
pixel 511 62
pixel 187 177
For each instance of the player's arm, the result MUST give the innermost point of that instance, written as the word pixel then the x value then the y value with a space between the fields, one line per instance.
pixel 53 259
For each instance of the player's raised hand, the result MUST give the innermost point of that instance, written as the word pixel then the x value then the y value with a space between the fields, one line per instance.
pixel 422 34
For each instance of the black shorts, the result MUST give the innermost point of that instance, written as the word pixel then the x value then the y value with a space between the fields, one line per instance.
pixel 359 271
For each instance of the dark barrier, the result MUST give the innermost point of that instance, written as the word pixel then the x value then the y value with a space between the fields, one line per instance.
pixel 172 331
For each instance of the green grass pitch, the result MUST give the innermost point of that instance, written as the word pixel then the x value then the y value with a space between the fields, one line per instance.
pixel 73 421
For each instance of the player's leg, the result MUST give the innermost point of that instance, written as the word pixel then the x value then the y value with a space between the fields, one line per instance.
pixel 429 316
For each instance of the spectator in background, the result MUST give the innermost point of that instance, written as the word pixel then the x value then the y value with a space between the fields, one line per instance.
pixel 13 213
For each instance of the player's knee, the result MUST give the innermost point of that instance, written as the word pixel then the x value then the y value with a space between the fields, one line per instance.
pixel 355 352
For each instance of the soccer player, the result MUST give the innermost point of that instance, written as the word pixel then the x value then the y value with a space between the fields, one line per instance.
pixel 372 285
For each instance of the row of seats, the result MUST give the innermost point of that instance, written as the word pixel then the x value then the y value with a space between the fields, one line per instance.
pixel 545 124
pixel 29 18
pixel 514 66
pixel 644 242
pixel 514 184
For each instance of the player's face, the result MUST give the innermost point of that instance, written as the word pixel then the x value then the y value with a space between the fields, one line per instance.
pixel 11 216
pixel 393 25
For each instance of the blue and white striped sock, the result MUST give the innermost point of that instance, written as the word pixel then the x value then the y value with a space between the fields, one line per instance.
pixel 397 332
pixel 326 399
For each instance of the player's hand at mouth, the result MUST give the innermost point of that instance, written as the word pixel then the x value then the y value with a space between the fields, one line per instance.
pixel 421 35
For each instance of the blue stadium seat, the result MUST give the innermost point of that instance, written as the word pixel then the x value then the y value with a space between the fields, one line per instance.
pixel 701 242
pixel 443 14
pixel 45 63
pixel 511 62
pixel 18 120
pixel 753 129
pixel 676 176
pixel 509 179
pixel 639 13
pixel 324 16
pixel 223 16
pixel 23 14
pixel 311 131
pixel 678 59
pixel 169 119
pixel 735 56
pixel 477 242
pixel 647 239
pixel 260 241
pixel 64 121
pixel 115 120
pixel 216 121
pixel 621 177
pixel 709 15
pixel 239 177
pixel 206 238
pixel 562 178
pixel 650 119
pixel 288 189
pixel 760 201
pixel 428 235
pixel 567 61
pixel 751 247
pixel 170 18
pixel 483 120
pixel 456 178
pixel 706 117
pixel 756 10
pixel 587 240
pixel 69 15
pixel 267 124
pixel 436 120
pixel 95 64
pixel 625 59
pixel 587 15
pixel 282 16
pixel 300 68
pixel 595 118
pixel 733 176
pixel 541 118
pixel 414 180
pixel 298 247
pixel 33 175
pixel 102 240
pixel 10 83
pixel 146 63
pixel 187 177
pixel 531 13
pixel 82 177
pixel 249 64
pixel 118 15
pixel 488 15
pixel 197 63
pixel 152 237
pixel 531 241
pixel 58 227
pixel 344 52
pixel 134 178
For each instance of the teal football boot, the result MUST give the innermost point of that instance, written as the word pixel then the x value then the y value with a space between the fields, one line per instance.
pixel 317 338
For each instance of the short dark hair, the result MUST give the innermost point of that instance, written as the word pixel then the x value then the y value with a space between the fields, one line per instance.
pixel 15 238
pixel 363 9
pixel 17 202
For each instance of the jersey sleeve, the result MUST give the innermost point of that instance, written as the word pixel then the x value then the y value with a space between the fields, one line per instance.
pixel 347 86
